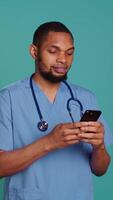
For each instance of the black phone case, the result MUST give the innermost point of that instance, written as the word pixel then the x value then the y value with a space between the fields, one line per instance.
pixel 91 115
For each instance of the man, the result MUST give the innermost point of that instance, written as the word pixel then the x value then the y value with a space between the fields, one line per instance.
pixel 47 154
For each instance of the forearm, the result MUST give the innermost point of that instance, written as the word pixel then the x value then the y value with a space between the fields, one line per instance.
pixel 100 161
pixel 12 162
pixel 61 136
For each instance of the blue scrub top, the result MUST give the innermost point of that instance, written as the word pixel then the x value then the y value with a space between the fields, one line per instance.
pixel 63 174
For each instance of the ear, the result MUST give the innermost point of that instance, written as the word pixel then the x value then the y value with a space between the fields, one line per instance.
pixel 33 51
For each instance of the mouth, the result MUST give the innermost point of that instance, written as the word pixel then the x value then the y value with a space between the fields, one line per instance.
pixel 60 69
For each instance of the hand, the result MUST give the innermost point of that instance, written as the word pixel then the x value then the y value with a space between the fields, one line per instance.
pixel 64 135
pixel 93 133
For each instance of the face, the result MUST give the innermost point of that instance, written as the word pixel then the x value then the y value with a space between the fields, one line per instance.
pixel 55 56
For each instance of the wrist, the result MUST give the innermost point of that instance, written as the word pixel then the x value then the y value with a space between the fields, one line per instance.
pixel 49 144
pixel 99 147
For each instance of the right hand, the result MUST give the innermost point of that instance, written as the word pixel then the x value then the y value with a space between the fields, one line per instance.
pixel 64 135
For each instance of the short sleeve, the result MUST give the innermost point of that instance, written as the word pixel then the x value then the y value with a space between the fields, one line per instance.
pixel 6 136
pixel 108 137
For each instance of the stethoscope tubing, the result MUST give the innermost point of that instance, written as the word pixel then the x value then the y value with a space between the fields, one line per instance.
pixel 43 125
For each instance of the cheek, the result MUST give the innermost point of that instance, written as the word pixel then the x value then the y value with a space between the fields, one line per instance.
pixel 70 60
pixel 48 59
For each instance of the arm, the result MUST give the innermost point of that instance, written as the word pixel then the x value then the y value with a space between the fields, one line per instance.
pixel 93 133
pixel 100 160
pixel 15 161
pixel 62 135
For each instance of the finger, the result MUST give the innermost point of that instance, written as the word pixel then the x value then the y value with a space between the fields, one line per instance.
pixel 71 137
pixel 72 131
pixel 90 136
pixel 73 142
pixel 88 141
pixel 90 129
pixel 75 125
pixel 93 141
pixel 95 124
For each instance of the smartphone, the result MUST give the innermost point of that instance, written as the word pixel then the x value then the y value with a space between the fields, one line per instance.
pixel 90 115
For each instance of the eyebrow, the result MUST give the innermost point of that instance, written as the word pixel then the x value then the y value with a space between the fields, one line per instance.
pixel 57 47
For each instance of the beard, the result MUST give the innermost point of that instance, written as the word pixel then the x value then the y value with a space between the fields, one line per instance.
pixel 49 76
pixel 52 78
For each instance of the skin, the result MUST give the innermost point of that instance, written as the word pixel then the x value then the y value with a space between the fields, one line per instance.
pixel 56 51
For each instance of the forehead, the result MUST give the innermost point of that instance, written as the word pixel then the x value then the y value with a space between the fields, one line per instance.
pixel 61 39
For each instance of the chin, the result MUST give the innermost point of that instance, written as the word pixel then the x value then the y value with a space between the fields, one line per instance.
pixel 55 79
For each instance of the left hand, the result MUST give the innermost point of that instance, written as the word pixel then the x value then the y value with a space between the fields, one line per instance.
pixel 92 133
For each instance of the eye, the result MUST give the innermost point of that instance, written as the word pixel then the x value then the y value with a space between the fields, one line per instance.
pixel 70 52
pixel 52 51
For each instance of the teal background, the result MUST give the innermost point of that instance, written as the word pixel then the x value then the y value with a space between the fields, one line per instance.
pixel 92 25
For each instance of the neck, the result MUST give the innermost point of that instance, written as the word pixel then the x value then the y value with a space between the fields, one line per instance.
pixel 45 84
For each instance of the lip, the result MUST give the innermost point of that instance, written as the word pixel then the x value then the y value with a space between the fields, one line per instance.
pixel 60 69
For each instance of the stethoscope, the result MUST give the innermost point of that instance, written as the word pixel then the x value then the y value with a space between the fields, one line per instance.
pixel 42 124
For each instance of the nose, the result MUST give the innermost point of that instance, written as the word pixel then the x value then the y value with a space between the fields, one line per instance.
pixel 61 58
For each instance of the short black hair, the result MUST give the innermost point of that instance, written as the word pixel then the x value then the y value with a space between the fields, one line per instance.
pixel 47 27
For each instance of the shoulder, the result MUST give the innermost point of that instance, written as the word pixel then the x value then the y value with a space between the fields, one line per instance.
pixel 14 87
pixel 86 96
pixel 81 91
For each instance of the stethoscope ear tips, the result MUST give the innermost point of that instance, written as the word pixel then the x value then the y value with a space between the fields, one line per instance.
pixel 42 125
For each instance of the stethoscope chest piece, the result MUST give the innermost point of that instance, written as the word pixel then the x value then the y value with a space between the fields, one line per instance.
pixel 42 125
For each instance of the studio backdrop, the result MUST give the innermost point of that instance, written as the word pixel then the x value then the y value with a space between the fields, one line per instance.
pixel 91 23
